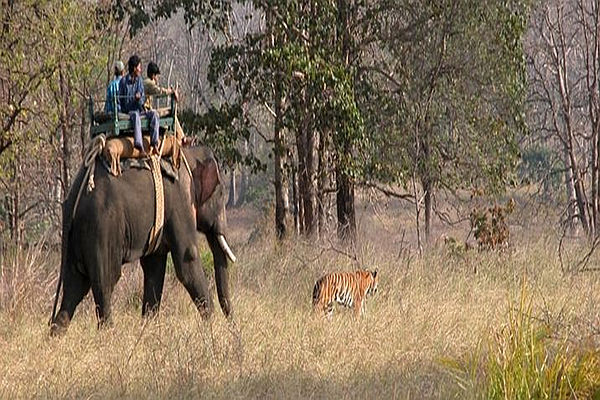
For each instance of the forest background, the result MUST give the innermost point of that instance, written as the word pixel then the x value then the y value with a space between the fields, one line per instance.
pixel 347 130
pixel 422 101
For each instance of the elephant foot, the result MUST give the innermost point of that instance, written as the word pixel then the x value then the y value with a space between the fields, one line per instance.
pixel 150 312
pixel 205 313
pixel 205 309
pixel 105 324
pixel 60 324
pixel 226 308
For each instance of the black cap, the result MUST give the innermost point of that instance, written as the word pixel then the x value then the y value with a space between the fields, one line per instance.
pixel 133 62
pixel 152 69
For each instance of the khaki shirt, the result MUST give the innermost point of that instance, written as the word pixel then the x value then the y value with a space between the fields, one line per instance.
pixel 151 88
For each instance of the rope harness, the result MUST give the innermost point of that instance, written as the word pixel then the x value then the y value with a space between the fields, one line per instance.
pixel 187 166
pixel 159 210
pixel 89 162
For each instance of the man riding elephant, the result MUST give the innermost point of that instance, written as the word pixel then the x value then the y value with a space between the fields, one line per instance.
pixel 132 99
pixel 152 88
pixel 105 228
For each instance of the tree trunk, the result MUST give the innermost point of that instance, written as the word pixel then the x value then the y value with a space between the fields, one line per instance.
pixel 321 179
pixel 280 154
pixel 596 177
pixel 307 144
pixel 345 185
pixel 232 190
pixel 572 215
pixel 345 207
pixel 244 180
pixel 65 135
pixel 295 200
pixel 310 198
pixel 281 194
pixel 427 183
pixel 243 189
pixel 302 180
pixel 594 112
pixel 428 190
pixel 580 198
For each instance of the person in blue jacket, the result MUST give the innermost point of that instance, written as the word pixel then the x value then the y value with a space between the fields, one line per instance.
pixel 113 89
pixel 132 99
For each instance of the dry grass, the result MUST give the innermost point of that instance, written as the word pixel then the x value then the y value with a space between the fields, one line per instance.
pixel 427 311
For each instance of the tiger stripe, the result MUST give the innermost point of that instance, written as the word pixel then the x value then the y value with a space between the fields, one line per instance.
pixel 348 289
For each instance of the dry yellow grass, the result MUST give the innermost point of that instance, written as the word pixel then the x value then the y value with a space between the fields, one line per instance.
pixel 426 311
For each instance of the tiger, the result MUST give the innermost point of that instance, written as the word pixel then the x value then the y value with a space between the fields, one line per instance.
pixel 346 288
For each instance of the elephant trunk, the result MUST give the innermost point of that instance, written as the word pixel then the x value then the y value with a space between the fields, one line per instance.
pixel 226 249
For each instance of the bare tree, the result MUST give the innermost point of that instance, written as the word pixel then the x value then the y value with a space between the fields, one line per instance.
pixel 563 48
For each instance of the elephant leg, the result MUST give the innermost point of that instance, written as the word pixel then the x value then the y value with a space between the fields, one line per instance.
pixel 102 297
pixel 154 267
pixel 190 274
pixel 103 277
pixel 221 275
pixel 75 287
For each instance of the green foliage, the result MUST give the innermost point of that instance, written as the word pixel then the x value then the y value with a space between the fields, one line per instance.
pixel 393 89
pixel 211 13
pixel 25 31
pixel 441 93
pixel 540 164
pixel 206 257
pixel 305 65
pixel 49 62
pixel 526 363
pixel 525 360
pixel 220 129
pixel 452 109
pixel 47 90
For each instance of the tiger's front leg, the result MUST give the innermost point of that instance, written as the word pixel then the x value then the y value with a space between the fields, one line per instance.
pixel 329 310
pixel 323 309
pixel 359 307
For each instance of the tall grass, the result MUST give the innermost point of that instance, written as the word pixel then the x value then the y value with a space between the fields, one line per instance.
pixel 444 306
pixel 527 362
pixel 26 277
pixel 526 358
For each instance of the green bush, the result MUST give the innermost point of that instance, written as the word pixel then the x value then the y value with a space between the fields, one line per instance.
pixel 526 360
pixel 206 258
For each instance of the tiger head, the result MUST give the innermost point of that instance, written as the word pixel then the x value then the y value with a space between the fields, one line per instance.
pixel 373 280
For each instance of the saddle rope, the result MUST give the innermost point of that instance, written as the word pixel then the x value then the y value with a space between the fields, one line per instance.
pixel 159 211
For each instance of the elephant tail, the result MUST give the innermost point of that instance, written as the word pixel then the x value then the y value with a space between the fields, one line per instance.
pixel 68 212
pixel 66 229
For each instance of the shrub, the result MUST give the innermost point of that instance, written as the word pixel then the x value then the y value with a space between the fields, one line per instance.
pixel 206 257
pixel 524 360
pixel 490 226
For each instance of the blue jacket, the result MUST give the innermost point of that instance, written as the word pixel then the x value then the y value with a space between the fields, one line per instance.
pixel 128 87
pixel 111 91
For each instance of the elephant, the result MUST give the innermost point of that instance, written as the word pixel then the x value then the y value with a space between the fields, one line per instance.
pixel 110 226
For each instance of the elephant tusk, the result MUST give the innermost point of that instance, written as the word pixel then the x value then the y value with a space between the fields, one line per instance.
pixel 226 248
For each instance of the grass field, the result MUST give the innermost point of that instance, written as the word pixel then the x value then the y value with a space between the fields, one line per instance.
pixel 429 333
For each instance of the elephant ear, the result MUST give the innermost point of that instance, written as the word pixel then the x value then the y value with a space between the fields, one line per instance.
pixel 206 179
